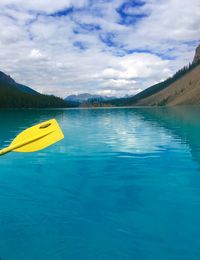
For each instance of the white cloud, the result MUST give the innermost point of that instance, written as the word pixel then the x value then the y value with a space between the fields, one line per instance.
pixel 47 6
pixel 65 54
pixel 35 54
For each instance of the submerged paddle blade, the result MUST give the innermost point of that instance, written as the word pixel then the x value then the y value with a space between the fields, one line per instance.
pixel 38 137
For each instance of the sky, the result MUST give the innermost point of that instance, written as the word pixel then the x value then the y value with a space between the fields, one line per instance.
pixel 106 47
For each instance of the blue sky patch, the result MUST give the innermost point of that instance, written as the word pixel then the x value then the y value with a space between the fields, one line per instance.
pixel 126 17
pixel 63 12
pixel 108 39
pixel 86 28
pixel 90 27
pixel 164 55
pixel 80 45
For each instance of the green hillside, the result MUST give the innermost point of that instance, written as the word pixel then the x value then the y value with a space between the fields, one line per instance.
pixel 14 95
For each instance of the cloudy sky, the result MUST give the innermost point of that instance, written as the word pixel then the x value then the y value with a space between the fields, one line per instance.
pixel 110 47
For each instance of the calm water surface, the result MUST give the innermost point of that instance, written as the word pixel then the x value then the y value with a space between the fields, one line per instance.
pixel 123 184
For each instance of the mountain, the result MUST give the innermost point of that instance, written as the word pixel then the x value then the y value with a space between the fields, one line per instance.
pixel 197 55
pixel 26 89
pixel 183 88
pixel 6 79
pixel 15 95
pixel 184 91
pixel 79 98
pixel 85 97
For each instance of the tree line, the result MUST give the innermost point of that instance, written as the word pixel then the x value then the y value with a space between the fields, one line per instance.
pixel 11 97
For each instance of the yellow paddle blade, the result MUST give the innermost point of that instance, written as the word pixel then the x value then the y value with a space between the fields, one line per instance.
pixel 37 137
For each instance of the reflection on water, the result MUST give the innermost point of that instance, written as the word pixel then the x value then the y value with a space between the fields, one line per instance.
pixel 123 184
pixel 182 122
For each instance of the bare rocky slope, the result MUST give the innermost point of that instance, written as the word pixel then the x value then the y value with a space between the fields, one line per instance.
pixel 197 55
pixel 183 88
pixel 184 91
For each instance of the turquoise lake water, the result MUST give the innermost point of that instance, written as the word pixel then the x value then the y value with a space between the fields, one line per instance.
pixel 123 184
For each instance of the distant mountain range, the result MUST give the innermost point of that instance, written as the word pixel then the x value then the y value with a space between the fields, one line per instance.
pixel 85 97
pixel 15 95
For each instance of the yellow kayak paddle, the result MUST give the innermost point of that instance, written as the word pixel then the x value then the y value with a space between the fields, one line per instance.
pixel 36 138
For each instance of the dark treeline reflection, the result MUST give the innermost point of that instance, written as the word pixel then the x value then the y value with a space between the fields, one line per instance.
pixel 183 122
